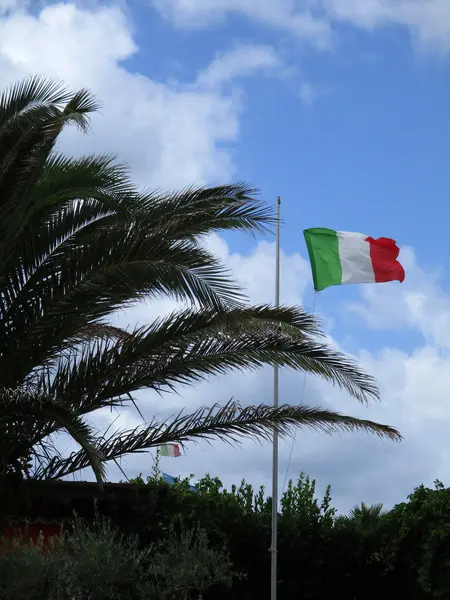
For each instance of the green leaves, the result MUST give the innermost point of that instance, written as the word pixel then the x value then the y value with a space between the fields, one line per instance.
pixel 190 345
pixel 25 419
pixel 99 562
pixel 25 95
pixel 197 211
pixel 229 423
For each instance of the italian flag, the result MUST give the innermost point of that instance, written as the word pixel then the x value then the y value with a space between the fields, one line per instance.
pixel 339 257
pixel 172 450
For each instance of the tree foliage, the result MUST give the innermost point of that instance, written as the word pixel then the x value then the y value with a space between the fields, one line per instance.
pixel 321 553
pixel 79 242
pixel 416 543
pixel 100 563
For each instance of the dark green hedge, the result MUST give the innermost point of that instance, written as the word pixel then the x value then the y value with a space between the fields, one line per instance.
pixel 404 553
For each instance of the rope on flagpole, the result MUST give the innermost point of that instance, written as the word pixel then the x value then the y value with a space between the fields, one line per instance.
pixel 301 402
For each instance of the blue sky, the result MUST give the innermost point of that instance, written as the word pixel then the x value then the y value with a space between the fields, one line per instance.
pixel 341 107
pixel 370 154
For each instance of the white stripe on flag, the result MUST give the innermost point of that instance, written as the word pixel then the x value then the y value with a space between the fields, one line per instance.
pixel 354 253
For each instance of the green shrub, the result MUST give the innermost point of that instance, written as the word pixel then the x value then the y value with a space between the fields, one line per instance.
pixel 99 563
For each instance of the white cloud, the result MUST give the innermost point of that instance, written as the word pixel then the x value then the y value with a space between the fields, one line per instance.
pixel 419 304
pixel 171 134
pixel 280 14
pixel 237 63
pixel 308 93
pixel 255 272
pixel 428 21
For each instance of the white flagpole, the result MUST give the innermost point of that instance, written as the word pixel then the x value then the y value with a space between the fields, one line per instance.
pixel 274 545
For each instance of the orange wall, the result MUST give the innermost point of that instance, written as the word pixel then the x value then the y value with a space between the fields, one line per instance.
pixel 31 532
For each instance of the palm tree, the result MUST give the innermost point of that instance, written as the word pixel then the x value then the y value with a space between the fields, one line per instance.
pixel 79 242
pixel 366 516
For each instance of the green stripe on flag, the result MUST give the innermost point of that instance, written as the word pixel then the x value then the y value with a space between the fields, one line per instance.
pixel 323 250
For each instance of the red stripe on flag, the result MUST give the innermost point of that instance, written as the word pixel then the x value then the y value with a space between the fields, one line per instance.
pixel 384 253
pixel 177 452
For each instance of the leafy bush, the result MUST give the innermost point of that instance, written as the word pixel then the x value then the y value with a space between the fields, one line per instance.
pixel 415 543
pixel 366 555
pixel 241 519
pixel 171 547
pixel 102 564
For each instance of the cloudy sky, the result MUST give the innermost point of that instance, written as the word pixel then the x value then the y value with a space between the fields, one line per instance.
pixel 342 108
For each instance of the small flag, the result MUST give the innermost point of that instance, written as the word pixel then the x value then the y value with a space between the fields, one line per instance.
pixel 172 450
pixel 340 257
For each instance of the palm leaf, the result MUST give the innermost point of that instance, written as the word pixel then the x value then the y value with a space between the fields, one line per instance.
pixel 78 109
pixel 191 345
pixel 229 423
pixel 28 93
pixel 198 211
pixel 17 407
pixel 80 280
pixel 25 145
pixel 363 512
pixel 93 177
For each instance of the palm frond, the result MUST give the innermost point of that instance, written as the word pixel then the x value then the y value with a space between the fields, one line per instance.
pixel 28 93
pixel 26 143
pixel 81 280
pixel 363 512
pixel 35 414
pixel 79 107
pixel 198 211
pixel 229 423
pixel 249 339
pixel 191 345
pixel 92 177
